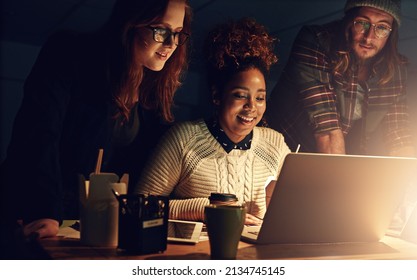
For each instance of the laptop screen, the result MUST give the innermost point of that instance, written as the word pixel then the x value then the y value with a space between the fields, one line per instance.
pixel 335 198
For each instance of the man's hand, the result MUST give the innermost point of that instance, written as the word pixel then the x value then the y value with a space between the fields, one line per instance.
pixel 41 228
pixel 332 142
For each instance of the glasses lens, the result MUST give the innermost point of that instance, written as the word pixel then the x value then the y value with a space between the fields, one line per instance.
pixel 382 31
pixel 361 26
pixel 160 34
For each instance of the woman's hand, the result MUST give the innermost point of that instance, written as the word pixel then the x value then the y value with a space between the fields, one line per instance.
pixel 252 220
pixel 41 228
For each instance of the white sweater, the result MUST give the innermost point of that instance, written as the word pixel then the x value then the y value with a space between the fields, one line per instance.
pixel 189 164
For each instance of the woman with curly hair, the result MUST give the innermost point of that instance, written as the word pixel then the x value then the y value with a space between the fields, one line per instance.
pixel 228 153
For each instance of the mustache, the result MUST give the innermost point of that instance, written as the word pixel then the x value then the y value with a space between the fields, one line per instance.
pixel 369 45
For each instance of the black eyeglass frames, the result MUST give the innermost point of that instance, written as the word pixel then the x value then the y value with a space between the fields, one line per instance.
pixel 161 34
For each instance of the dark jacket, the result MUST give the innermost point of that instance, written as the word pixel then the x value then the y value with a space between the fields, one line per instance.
pixel 66 116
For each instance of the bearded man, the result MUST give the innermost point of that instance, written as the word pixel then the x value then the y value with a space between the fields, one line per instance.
pixel 343 90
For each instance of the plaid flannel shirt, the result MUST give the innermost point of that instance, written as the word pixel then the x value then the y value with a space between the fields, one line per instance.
pixel 309 99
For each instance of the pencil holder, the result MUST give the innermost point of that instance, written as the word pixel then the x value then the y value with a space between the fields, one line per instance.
pixel 143 223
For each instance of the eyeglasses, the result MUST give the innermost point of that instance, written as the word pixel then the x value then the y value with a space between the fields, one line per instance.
pixel 363 26
pixel 161 35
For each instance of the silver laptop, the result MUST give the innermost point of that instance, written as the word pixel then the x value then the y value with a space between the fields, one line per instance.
pixel 321 198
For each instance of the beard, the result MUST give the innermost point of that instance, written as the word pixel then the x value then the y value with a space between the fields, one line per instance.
pixel 366 51
pixel 363 61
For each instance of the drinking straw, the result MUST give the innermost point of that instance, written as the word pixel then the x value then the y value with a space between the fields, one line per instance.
pixel 99 160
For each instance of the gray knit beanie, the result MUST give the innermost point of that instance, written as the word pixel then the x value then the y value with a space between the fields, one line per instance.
pixel 392 7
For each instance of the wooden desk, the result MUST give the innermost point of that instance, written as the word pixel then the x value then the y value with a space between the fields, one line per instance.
pixel 388 248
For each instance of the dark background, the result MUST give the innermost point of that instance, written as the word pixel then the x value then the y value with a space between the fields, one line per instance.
pixel 25 25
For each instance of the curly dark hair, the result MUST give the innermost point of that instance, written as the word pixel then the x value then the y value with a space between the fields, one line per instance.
pixel 236 46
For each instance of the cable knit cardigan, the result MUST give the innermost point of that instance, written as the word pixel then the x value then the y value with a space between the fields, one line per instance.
pixel 189 164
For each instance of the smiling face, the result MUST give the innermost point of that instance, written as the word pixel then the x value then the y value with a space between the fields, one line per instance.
pixel 151 54
pixel 242 104
pixel 367 45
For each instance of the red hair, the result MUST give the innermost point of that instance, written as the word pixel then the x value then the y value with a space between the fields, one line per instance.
pixel 128 83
